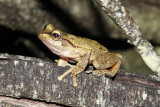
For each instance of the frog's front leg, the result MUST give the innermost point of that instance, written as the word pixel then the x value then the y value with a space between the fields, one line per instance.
pixel 107 60
pixel 80 66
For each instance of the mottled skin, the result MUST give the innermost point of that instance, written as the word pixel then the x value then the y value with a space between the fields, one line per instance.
pixel 80 50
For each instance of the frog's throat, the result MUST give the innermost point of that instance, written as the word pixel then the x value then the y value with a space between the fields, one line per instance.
pixel 61 51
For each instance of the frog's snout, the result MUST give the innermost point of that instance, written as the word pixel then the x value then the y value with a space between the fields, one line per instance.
pixel 42 36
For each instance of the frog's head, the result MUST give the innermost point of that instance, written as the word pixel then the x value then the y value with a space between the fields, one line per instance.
pixel 53 39
pixel 49 33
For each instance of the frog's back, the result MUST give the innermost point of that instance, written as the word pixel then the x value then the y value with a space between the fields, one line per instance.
pixel 89 44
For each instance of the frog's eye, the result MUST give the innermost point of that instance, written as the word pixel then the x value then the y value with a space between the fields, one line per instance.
pixel 56 35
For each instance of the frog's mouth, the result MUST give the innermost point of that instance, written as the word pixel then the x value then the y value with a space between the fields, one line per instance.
pixel 52 48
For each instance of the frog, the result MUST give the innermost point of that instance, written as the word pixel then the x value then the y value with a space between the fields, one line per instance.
pixel 80 50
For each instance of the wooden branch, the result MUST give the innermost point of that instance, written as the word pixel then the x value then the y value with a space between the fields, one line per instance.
pixel 121 16
pixel 12 102
pixel 32 78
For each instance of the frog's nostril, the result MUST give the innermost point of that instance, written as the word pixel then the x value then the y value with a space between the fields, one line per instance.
pixel 44 27
pixel 48 28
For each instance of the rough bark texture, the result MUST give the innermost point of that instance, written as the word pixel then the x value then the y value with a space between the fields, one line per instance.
pixel 121 16
pixel 12 102
pixel 31 78
pixel 146 15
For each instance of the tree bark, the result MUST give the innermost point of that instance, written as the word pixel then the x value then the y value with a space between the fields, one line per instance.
pixel 13 102
pixel 32 78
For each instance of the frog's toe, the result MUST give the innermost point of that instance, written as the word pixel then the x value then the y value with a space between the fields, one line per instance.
pixel 60 78
pixel 97 73
pixel 75 84
pixel 89 71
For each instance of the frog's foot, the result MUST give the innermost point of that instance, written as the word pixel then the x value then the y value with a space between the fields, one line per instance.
pixel 109 73
pixel 102 72
pixel 74 73
pixel 88 71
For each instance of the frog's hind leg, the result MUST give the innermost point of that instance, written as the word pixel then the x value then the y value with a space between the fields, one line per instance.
pixel 108 73
pixel 108 60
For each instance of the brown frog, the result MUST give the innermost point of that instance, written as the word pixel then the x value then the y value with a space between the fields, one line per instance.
pixel 81 50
